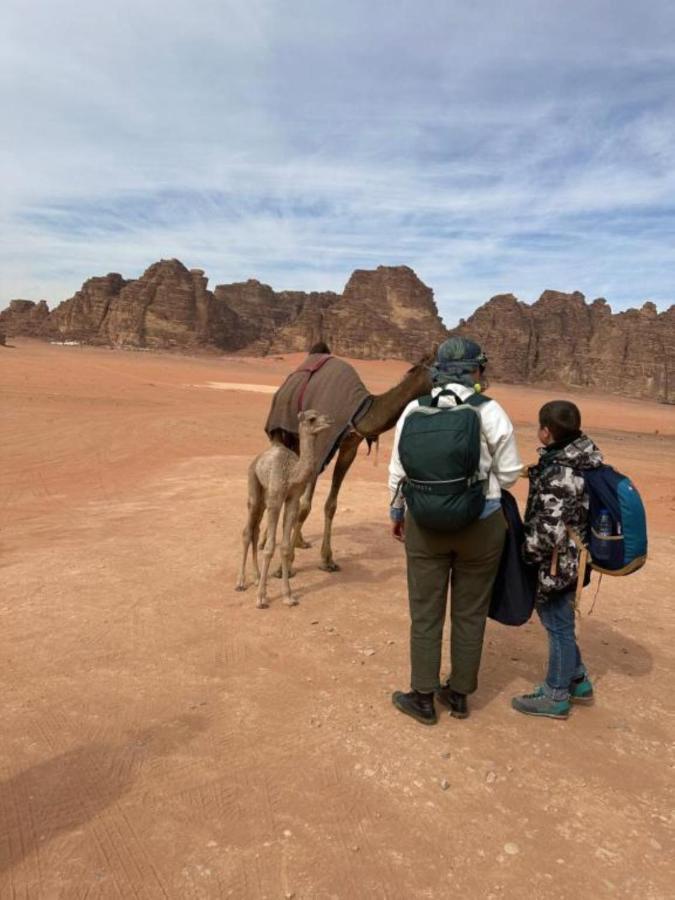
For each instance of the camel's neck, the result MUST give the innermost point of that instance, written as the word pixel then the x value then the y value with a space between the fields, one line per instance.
pixel 386 408
pixel 304 467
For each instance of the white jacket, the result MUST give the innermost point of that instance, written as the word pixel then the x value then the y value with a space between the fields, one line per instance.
pixel 499 458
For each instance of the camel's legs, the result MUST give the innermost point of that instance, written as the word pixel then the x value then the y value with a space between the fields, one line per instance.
pixel 256 508
pixel 289 531
pixel 346 456
pixel 305 508
pixel 255 537
pixel 273 513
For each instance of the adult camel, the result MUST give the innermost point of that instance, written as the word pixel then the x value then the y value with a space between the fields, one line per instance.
pixel 332 386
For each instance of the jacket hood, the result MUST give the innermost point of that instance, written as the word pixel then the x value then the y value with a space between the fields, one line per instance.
pixel 580 453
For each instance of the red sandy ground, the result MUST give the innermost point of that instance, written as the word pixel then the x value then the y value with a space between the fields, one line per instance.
pixel 161 737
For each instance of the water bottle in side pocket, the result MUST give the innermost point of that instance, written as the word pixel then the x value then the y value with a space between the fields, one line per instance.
pixel 603 530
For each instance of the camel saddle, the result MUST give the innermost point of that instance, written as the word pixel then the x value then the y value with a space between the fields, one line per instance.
pixel 330 386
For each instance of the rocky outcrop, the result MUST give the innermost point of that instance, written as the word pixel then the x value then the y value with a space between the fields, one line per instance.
pixel 168 307
pixel 562 339
pixel 25 317
pixel 385 312
pixel 269 321
pixel 82 317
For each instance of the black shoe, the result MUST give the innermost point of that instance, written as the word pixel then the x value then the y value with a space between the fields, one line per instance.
pixel 455 702
pixel 419 706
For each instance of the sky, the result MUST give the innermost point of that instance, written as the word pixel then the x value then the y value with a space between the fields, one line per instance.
pixel 494 147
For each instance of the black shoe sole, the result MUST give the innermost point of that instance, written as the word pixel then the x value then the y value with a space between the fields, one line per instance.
pixel 409 712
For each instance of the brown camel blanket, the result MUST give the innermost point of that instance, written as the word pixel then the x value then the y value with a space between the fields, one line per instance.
pixel 328 385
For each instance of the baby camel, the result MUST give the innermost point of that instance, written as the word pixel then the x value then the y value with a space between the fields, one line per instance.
pixel 276 478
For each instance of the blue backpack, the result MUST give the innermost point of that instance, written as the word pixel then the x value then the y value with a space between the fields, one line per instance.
pixel 617 525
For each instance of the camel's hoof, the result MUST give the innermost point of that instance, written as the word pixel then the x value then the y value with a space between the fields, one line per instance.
pixel 290 601
pixel 240 587
pixel 278 573
pixel 262 604
pixel 302 544
pixel 329 567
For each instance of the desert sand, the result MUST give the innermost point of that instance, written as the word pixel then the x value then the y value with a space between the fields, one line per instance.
pixel 161 737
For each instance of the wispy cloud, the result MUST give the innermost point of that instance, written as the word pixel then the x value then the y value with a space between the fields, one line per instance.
pixel 502 147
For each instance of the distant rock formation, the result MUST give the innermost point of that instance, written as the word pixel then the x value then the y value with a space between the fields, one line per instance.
pixel 25 317
pixel 562 339
pixel 385 312
pixel 83 316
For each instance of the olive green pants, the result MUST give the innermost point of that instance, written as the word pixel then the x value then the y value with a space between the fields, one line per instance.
pixel 468 560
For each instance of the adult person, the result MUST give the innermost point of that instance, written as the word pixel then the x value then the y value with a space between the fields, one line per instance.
pixel 467 558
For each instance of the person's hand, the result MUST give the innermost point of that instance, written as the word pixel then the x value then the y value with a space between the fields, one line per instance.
pixel 398 530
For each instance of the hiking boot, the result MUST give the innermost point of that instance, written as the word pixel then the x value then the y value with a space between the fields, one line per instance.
pixel 540 704
pixel 454 701
pixel 581 690
pixel 416 704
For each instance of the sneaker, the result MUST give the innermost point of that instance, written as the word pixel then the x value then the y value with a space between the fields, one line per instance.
pixel 416 704
pixel 454 701
pixel 540 704
pixel 581 690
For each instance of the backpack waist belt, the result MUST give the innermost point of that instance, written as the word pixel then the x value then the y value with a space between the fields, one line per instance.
pixel 455 486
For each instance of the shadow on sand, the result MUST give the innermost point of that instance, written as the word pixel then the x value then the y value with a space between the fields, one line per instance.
pixel 604 648
pixel 68 790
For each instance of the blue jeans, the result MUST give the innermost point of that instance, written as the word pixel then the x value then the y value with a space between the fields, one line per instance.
pixel 564 659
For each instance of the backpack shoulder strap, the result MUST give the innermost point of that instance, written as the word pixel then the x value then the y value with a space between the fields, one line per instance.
pixel 474 400
pixel 446 392
pixel 477 399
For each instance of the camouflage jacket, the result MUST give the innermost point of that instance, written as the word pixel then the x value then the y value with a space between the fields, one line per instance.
pixel 557 500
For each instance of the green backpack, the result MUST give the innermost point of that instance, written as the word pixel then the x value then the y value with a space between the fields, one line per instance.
pixel 439 450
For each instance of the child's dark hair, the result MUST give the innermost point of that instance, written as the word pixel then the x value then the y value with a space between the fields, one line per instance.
pixel 562 419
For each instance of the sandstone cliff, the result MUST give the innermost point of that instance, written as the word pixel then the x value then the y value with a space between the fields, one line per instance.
pixel 386 312
pixel 81 318
pixel 383 313
pixel 25 317
pixel 562 339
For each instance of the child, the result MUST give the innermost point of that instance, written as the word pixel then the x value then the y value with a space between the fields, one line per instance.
pixel 557 501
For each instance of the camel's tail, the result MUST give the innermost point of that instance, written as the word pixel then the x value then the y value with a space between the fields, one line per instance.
pixel 370 442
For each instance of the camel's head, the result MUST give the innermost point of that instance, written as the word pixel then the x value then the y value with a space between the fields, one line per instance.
pixel 421 371
pixel 428 359
pixel 313 422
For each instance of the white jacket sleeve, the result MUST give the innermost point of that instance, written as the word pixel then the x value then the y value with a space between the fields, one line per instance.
pixel 396 470
pixel 501 441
